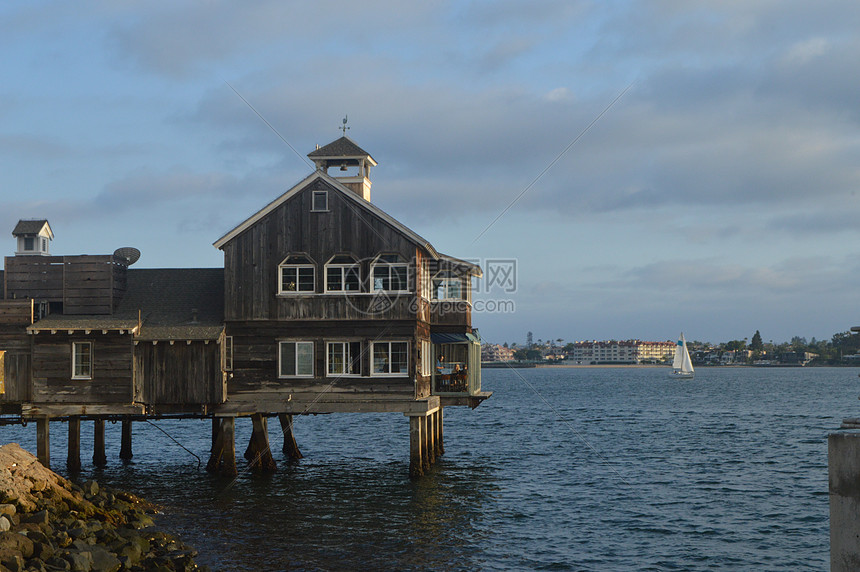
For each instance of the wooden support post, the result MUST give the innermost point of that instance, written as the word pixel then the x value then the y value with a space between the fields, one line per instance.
pixel 431 437
pixel 99 457
pixel 440 446
pixel 43 441
pixel 258 452
pixel 416 462
pixel 73 459
pixel 223 457
pixel 125 449
pixel 425 442
pixel 291 448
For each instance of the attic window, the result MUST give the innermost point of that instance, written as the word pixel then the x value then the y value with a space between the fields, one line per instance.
pixel 389 274
pixel 320 201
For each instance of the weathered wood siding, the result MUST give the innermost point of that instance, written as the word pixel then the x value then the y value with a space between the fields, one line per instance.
pixel 15 316
pixel 255 358
pixel 251 260
pixel 179 373
pixel 112 368
pixel 39 277
pixel 84 284
pixel 451 313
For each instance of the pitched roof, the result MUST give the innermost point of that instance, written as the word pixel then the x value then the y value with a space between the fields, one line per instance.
pixel 343 147
pixel 165 298
pixel 31 227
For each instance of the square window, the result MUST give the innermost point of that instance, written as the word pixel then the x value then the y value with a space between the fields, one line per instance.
pixel 296 359
pixel 390 358
pixel 320 201
pixel 344 358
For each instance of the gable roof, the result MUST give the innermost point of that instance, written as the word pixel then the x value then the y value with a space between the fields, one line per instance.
pixel 347 194
pixel 31 227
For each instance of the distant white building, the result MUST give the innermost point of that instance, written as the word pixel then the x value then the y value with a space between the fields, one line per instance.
pixel 622 352
pixel 495 352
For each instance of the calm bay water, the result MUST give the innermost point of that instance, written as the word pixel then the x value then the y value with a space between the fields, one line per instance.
pixel 562 469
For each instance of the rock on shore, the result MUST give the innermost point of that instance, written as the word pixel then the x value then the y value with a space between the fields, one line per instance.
pixel 47 523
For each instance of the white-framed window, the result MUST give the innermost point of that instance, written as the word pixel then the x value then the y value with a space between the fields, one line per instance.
pixel 319 201
pixel 447 286
pixel 390 358
pixel 342 274
pixel 389 274
pixel 296 275
pixel 296 359
pixel 426 358
pixel 82 360
pixel 343 358
pixel 227 354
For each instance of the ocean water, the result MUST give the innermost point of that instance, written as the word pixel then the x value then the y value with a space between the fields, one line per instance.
pixel 562 469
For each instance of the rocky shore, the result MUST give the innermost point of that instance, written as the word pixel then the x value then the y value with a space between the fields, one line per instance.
pixel 48 523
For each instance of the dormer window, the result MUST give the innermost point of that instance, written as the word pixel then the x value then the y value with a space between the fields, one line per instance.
pixel 342 274
pixel 389 274
pixel 319 201
pixel 296 275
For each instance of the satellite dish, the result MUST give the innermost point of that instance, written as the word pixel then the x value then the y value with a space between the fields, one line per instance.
pixel 129 253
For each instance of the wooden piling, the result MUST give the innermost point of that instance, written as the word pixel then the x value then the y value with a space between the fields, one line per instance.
pixel 73 459
pixel 291 448
pixel 223 458
pixel 99 456
pixel 416 461
pixel 425 442
pixel 43 441
pixel 258 452
pixel 125 449
pixel 440 446
pixel 431 437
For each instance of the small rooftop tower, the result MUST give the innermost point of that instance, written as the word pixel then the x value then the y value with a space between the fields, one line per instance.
pixel 34 237
pixel 352 162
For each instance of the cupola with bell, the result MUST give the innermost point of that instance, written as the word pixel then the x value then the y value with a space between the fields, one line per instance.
pixel 344 160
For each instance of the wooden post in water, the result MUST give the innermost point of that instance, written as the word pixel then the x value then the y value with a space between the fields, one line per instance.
pixel 43 441
pixel 99 457
pixel 291 448
pixel 223 457
pixel 258 452
pixel 125 448
pixel 73 459
pixel 416 462
pixel 425 442
pixel 431 437
pixel 440 446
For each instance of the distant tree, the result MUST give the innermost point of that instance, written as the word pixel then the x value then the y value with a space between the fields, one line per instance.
pixel 798 343
pixel 533 354
pixel 756 344
pixel 569 347
pixel 735 345
pixel 530 340
pixel 505 345
pixel 520 354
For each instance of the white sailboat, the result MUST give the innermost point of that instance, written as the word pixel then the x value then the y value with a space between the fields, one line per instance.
pixel 682 366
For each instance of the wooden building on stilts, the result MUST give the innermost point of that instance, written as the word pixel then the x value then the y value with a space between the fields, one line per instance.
pixel 325 304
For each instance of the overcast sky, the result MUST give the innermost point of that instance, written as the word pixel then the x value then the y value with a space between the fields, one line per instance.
pixel 717 195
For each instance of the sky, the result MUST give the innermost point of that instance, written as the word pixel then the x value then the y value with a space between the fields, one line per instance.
pixel 620 169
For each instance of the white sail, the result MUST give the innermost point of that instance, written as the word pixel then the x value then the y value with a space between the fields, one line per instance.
pixel 682 365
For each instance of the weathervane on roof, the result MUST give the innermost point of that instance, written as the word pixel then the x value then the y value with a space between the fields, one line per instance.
pixel 344 127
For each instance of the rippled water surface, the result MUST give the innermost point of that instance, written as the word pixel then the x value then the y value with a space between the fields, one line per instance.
pixel 562 469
